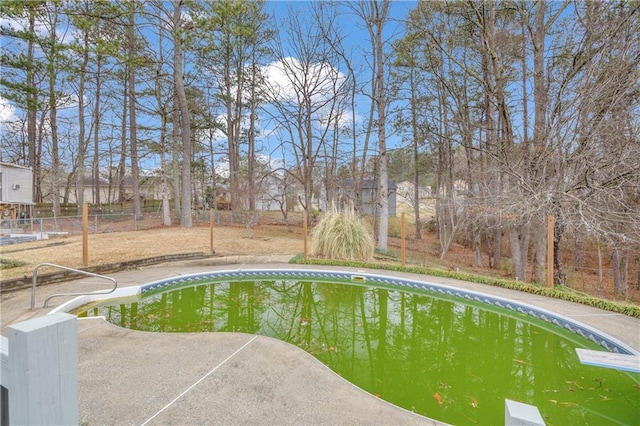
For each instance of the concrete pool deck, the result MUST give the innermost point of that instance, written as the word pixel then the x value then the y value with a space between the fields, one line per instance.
pixel 132 377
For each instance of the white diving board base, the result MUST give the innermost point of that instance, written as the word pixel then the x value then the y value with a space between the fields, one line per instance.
pixel 609 360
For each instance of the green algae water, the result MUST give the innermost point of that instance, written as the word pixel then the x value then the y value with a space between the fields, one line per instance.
pixel 445 358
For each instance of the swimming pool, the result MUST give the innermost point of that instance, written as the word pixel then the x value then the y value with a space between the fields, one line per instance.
pixel 449 354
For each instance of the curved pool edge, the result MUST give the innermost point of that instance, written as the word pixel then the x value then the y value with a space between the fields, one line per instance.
pixel 364 277
pixel 606 341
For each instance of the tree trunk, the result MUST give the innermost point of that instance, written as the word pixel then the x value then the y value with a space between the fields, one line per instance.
pixel 416 154
pixel 516 254
pixel 175 159
pixel 162 109
pixel 559 276
pixel 540 248
pixel 620 268
pixel 122 165
pixel 80 173
pixel 53 115
pixel 96 134
pixel 185 126
pixel 133 127
pixel 383 193
pixel 251 174
pixel 32 108
pixel 536 170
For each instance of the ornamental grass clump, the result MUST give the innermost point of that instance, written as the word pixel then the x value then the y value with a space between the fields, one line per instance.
pixel 342 235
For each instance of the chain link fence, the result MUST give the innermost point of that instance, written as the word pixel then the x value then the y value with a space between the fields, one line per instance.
pixel 124 220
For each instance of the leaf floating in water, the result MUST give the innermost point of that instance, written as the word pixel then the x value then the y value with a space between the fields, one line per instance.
pixel 569 404
pixel 576 384
pixel 377 395
pixel 474 403
pixel 438 398
pixel 555 401
pixel 519 361
pixel 637 386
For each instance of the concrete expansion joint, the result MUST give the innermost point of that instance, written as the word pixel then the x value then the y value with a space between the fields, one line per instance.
pixel 200 380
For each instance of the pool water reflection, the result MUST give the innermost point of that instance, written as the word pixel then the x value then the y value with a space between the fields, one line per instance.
pixel 449 359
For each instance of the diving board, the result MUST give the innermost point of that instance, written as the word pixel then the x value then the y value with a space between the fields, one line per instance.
pixel 609 360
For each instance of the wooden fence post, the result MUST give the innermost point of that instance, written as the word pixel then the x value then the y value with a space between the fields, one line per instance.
pixel 403 246
pixel 550 225
pixel 211 227
pixel 85 234
pixel 304 231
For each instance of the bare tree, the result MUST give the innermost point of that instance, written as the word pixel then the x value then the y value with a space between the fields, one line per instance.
pixel 183 108
pixel 306 101
pixel 375 15
pixel 163 104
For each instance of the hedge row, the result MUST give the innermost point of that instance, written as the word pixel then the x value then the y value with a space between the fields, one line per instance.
pixel 562 293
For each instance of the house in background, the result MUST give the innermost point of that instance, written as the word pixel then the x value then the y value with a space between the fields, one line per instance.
pixel 366 198
pixel 406 192
pixel 369 197
pixel 271 194
pixel 89 190
pixel 149 187
pixel 16 191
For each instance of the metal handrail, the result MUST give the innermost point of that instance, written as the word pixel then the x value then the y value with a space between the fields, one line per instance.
pixel 35 280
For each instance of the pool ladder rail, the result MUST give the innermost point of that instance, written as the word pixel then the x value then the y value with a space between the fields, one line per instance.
pixel 79 271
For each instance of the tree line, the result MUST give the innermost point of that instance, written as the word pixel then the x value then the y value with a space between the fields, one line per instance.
pixel 509 111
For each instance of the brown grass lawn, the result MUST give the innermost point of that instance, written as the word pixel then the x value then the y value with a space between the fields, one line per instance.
pixel 269 238
pixel 116 247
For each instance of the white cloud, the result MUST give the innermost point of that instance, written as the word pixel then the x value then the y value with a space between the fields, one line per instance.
pixel 11 23
pixel 279 80
pixel 222 168
pixel 63 35
pixel 288 78
pixel 7 111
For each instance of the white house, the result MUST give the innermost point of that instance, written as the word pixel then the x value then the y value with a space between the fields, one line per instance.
pixel 365 198
pixel 406 192
pixel 271 193
pixel 16 190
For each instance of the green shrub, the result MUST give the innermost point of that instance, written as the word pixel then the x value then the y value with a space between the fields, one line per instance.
pixel 342 235
pixel 10 263
pixel 430 225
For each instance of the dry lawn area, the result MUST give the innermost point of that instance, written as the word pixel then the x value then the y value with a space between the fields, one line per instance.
pixel 234 240
pixel 116 247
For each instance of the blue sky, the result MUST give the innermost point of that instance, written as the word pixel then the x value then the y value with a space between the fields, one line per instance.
pixel 357 41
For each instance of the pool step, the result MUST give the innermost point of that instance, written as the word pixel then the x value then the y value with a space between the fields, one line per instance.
pixel 609 360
